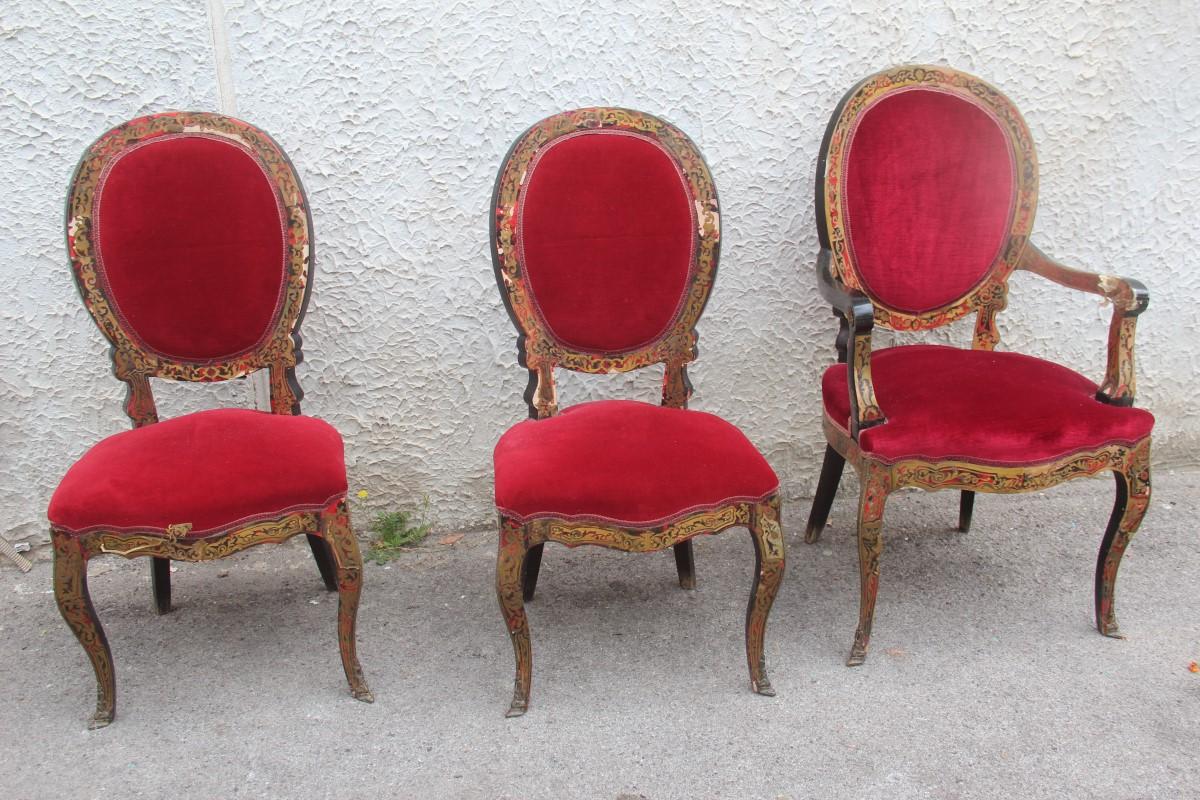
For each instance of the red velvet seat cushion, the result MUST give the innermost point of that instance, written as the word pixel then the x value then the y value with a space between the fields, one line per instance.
pixel 606 229
pixel 929 180
pixel 627 463
pixel 190 233
pixel 985 407
pixel 214 469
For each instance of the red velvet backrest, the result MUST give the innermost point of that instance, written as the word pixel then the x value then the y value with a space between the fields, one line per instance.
pixel 929 190
pixel 189 234
pixel 606 230
pixel 605 240
pixel 189 239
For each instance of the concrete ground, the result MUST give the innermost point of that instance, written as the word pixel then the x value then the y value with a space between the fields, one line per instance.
pixel 986 676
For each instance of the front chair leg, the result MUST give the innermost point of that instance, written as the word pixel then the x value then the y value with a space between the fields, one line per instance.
pixel 827 486
pixel 769 560
pixel 685 564
pixel 510 559
pixel 335 528
pixel 875 488
pixel 1133 498
pixel 324 559
pixel 160 583
pixel 75 605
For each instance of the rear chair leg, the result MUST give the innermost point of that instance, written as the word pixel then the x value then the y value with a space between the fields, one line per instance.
pixel 533 565
pixel 769 560
pixel 510 558
pixel 1133 497
pixel 876 484
pixel 324 559
pixel 827 486
pixel 160 583
pixel 75 605
pixel 685 564
pixel 966 505
pixel 335 527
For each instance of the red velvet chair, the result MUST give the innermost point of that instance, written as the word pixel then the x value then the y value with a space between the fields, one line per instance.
pixel 605 244
pixel 190 239
pixel 926 190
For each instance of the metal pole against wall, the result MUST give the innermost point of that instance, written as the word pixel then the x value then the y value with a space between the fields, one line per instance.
pixel 227 104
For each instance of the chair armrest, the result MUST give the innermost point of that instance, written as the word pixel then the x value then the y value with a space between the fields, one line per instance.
pixel 1129 298
pixel 859 313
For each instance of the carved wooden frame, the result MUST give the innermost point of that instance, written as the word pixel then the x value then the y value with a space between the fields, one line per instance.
pixel 328 530
pixel 858 312
pixel 538 350
pixel 518 558
pixel 133 362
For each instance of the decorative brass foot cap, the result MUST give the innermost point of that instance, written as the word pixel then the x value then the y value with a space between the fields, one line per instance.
pixel 363 694
pixel 764 688
pixel 101 719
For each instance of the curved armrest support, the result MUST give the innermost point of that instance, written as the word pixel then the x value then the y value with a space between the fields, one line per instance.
pixel 859 313
pixel 1129 298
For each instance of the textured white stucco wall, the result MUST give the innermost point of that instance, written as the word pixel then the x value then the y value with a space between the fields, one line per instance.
pixel 397 116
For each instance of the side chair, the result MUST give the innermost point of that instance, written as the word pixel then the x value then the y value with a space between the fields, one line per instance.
pixel 191 244
pixel 605 240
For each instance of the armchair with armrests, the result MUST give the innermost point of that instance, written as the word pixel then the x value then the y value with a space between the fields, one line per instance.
pixel 926 191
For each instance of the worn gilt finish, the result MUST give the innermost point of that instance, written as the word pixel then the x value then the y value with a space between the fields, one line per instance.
pixel 989 295
pixel 72 552
pixel 519 556
pixel 538 350
pixel 1129 298
pixel 336 530
pixel 840 286
pixel 517 538
pixel 328 530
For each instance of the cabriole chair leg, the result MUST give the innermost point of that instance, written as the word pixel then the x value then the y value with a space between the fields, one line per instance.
pixel 1133 498
pixel 827 486
pixel 75 605
pixel 335 527
pixel 510 559
pixel 769 562
pixel 870 547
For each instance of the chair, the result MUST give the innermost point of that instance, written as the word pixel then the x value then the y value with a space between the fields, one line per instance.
pixel 926 190
pixel 605 243
pixel 190 240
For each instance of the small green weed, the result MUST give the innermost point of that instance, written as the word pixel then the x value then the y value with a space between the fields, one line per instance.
pixel 395 530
